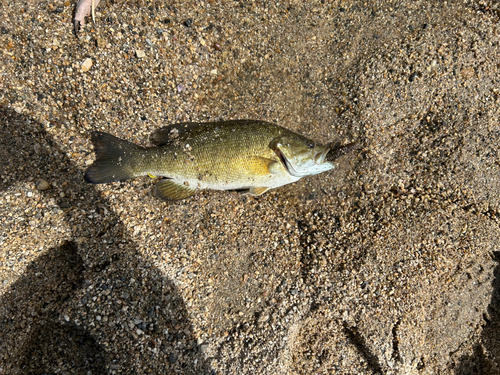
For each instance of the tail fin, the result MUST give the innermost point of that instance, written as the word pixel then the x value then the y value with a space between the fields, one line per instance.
pixel 114 159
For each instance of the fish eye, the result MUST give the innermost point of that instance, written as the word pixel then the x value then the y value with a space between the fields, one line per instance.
pixel 310 144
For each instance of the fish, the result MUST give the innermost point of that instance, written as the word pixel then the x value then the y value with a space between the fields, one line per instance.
pixel 248 156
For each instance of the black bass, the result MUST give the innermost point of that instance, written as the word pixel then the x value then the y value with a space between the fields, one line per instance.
pixel 245 155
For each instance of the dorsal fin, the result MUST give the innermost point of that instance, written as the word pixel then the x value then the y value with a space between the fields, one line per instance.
pixel 170 133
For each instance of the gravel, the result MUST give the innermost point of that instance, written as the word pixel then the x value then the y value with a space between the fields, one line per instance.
pixel 388 264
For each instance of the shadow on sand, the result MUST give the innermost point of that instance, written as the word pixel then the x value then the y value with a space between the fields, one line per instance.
pixel 486 357
pixel 35 338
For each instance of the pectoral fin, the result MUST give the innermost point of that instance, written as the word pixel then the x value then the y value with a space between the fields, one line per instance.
pixel 169 190
pixel 260 166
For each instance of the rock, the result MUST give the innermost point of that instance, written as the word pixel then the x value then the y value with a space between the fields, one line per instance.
pixel 86 65
pixel 42 185
pixel 100 42
pixel 140 53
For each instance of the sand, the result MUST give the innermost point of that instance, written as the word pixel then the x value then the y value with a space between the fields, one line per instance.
pixel 388 264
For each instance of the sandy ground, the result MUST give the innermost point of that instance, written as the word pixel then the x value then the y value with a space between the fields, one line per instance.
pixel 388 264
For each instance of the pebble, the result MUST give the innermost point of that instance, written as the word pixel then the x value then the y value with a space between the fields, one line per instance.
pixel 42 185
pixel 140 53
pixel 264 318
pixel 101 43
pixel 86 65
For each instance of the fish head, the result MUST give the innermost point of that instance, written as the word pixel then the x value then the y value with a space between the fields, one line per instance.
pixel 301 156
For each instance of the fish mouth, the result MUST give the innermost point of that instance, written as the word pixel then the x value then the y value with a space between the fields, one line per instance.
pixel 282 158
pixel 288 166
pixel 320 157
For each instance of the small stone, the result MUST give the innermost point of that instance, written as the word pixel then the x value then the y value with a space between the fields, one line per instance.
pixel 101 43
pixel 86 65
pixel 188 22
pixel 467 73
pixel 140 53
pixel 42 185
pixel 18 108
pixel 204 348
pixel 263 318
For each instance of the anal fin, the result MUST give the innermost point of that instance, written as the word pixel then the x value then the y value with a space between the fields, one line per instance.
pixel 169 190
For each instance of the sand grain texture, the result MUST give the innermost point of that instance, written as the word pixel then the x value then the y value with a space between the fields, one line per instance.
pixel 388 264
